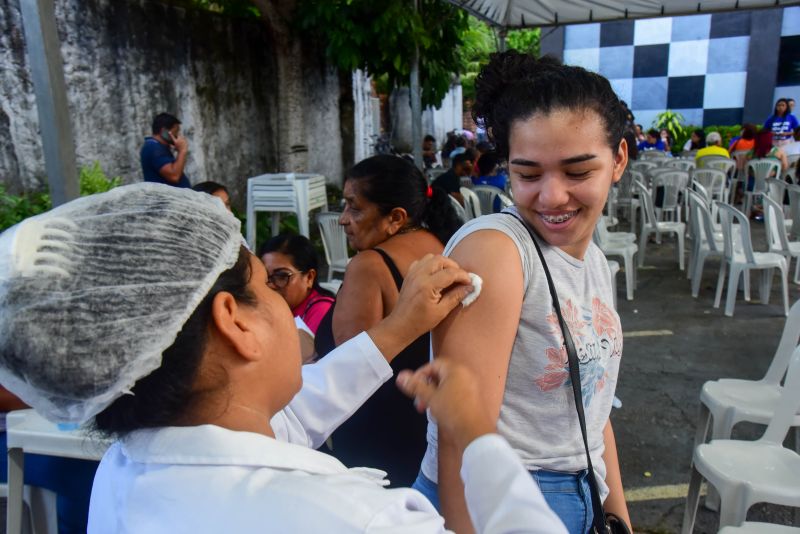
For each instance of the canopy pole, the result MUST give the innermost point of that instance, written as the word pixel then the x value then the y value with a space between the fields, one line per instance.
pixel 502 33
pixel 47 68
pixel 416 105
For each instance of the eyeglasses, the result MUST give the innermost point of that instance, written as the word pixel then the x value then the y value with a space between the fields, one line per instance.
pixel 280 279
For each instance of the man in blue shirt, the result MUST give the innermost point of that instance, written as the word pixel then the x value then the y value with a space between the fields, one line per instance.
pixel 159 164
pixel 653 142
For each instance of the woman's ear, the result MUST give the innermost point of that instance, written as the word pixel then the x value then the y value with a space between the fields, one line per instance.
pixel 310 275
pixel 398 218
pixel 620 160
pixel 233 323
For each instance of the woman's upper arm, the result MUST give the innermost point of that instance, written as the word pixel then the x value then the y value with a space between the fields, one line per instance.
pixel 481 336
pixel 359 302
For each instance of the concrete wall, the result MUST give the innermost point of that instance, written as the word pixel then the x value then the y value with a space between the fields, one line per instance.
pixel 125 61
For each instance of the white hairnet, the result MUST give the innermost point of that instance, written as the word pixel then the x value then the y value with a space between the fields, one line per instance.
pixel 92 292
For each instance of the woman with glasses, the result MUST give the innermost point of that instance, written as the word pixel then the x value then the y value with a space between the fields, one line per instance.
pixel 392 218
pixel 292 266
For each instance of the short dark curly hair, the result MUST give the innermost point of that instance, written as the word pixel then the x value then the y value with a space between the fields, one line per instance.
pixel 515 86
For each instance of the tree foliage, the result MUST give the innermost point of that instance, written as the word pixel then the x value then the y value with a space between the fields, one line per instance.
pixel 379 37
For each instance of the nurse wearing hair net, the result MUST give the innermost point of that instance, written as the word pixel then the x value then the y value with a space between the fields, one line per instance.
pixel 140 309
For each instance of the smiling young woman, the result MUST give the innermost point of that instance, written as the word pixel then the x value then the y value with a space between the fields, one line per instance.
pixel 560 128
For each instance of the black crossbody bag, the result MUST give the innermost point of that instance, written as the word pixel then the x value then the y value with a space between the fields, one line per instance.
pixel 603 523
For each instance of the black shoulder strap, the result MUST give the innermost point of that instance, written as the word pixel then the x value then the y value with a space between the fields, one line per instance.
pixel 575 379
pixel 398 278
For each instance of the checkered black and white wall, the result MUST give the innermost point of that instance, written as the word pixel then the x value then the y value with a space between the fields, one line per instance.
pixel 697 65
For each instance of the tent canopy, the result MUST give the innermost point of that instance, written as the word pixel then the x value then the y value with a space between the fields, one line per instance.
pixel 537 13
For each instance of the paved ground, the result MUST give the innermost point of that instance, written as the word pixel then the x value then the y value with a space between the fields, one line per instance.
pixel 662 374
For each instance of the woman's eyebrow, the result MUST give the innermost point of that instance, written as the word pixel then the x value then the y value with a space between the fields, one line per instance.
pixel 568 161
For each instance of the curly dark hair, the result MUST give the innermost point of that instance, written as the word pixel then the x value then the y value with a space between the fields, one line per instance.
pixel 515 86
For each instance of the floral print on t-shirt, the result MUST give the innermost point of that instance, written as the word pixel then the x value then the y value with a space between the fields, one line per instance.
pixel 597 335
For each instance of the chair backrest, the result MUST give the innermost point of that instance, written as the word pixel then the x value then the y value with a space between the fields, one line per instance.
pixel 642 166
pixel 674 182
pixel 776 189
pixel 650 155
pixel 794 208
pixel 726 165
pixel 486 195
pixel 703 162
pixel 334 241
pixel 461 213
pixel 762 169
pixel 789 340
pixel 701 220
pixel 472 204
pixel 712 179
pixel 698 188
pixel 681 164
pixel 791 172
pixel 649 218
pixel 741 157
pixel 777 239
pixel 730 215
pixel 788 405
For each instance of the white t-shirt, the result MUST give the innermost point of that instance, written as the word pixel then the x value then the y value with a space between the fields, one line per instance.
pixel 538 416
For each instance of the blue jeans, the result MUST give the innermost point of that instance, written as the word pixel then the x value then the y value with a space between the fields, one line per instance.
pixel 429 488
pixel 567 494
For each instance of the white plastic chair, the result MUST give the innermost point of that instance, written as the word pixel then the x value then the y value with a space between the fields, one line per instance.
pixel 794 209
pixel 728 401
pixel 459 209
pixel 714 182
pixel 673 183
pixel 777 239
pixel 705 240
pixel 740 258
pixel 652 155
pixel 747 472
pixel 642 166
pixel 619 244
pixel 761 169
pixel 334 242
pixel 625 195
pixel 651 225
pixel 472 204
pixel 685 165
pixel 487 194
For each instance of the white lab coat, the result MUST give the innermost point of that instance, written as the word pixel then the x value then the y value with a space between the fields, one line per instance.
pixel 210 479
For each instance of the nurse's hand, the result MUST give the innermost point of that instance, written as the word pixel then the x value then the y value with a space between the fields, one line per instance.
pixel 450 390
pixel 433 286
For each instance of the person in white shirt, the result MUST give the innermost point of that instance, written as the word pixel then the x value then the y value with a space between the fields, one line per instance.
pixel 196 371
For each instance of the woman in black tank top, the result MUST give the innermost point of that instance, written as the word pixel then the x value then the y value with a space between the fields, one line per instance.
pixel 388 203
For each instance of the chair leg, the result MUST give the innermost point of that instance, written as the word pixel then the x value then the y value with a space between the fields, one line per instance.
pixel 680 249
pixel 703 423
pixel 689 513
pixel 642 246
pixel 697 276
pixel 630 271
pixel 797 270
pixel 732 507
pixel 746 284
pixel 765 286
pixel 720 282
pixel 733 285
pixel 785 287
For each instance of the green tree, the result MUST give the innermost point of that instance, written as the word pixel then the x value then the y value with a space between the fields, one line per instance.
pixel 379 37
pixel 526 40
